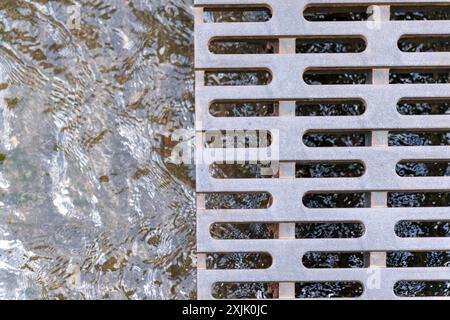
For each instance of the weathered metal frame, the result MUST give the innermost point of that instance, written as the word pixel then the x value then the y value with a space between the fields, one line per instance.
pixel 381 116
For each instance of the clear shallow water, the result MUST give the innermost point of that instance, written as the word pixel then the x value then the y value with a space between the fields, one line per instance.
pixel 89 206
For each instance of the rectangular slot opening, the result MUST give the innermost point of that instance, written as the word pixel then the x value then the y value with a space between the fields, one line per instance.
pixel 335 139
pixel 418 259
pixel 414 138
pixel 329 289
pixel 243 200
pixel 230 139
pixel 421 12
pixel 422 229
pixel 336 200
pixel 238 78
pixel 422 76
pixel 330 45
pixel 329 170
pixel 411 288
pixel 244 109
pixel 244 46
pixel 336 77
pixel 418 199
pixel 238 261
pixel 424 106
pixel 423 169
pixel 308 108
pixel 342 12
pixel 335 260
pixel 245 290
pixel 230 231
pixel 329 230
pixel 244 171
pixel 424 43
pixel 236 14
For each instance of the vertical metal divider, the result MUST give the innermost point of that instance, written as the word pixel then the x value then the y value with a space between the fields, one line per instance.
pixel 199 82
pixel 286 290
pixel 201 257
pixel 379 138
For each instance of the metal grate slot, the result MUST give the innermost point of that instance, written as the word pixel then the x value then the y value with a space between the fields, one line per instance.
pixel 244 109
pixel 240 171
pixel 242 231
pixel 422 288
pixel 418 259
pixel 328 289
pixel 254 200
pixel 336 77
pixel 335 139
pixel 236 14
pixel 322 149
pixel 336 200
pixel 243 46
pixel 329 108
pixel 424 44
pixel 424 106
pixel 422 229
pixel 423 169
pixel 429 11
pixel 330 45
pixel 238 78
pixel 337 230
pixel 329 170
pixel 334 260
pixel 318 13
pixel 415 138
pixel 238 260
pixel 245 290
pixel 419 76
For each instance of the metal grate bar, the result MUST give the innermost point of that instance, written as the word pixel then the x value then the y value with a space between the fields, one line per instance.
pixel 380 59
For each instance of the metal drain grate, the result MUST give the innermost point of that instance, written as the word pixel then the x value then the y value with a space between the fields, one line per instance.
pixel 284 79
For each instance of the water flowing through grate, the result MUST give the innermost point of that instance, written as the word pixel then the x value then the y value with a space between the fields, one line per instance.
pixel 341 108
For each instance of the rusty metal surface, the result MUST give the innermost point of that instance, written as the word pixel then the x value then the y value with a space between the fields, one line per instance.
pixel 382 53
